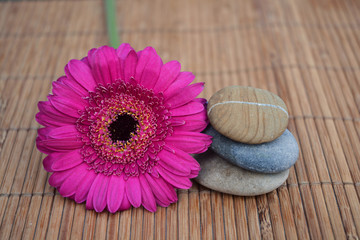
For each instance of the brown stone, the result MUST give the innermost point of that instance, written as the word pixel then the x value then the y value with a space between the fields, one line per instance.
pixel 247 114
pixel 220 175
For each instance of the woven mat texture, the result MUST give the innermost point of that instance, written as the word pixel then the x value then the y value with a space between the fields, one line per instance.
pixel 306 51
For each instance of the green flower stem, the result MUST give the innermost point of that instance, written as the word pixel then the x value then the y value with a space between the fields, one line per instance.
pixel 110 8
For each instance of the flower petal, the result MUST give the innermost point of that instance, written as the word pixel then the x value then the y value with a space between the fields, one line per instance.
pixel 123 50
pixel 182 80
pixel 176 122
pixel 125 204
pixel 147 196
pixel 60 89
pixel 203 101
pixel 180 155
pixel 168 74
pixel 61 145
pixel 194 173
pixel 83 188
pixel 175 180
pixel 101 187
pixel 48 162
pixel 115 194
pixel 73 84
pixel 81 73
pixel 185 95
pixel 96 198
pixel 163 192
pixel 194 135
pixel 66 106
pixel 49 116
pixel 64 161
pixel 57 178
pixel 191 125
pixel 86 61
pixel 133 191
pixel 48 109
pixel 191 142
pixel 173 164
pixel 68 131
pixel 188 109
pixel 130 64
pixel 69 186
pixel 52 121
pixel 148 67
pixel 105 65
pixel 198 116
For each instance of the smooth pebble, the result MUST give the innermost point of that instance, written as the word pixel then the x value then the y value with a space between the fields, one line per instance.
pixel 220 175
pixel 247 114
pixel 270 157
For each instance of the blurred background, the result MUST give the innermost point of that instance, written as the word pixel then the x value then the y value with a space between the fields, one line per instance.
pixel 306 51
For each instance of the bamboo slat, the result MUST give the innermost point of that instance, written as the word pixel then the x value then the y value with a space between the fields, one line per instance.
pixel 304 51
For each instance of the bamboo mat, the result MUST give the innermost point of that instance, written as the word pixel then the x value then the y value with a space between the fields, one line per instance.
pixel 306 51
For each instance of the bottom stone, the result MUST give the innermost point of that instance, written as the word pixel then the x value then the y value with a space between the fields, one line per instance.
pixel 220 175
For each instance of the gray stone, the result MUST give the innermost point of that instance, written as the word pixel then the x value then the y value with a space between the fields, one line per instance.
pixel 220 175
pixel 270 157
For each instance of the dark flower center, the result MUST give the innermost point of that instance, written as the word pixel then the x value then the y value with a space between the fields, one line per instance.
pixel 122 127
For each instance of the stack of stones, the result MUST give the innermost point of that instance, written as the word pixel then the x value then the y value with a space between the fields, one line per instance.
pixel 252 150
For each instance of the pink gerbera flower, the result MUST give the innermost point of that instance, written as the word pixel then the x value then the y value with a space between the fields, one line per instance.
pixel 119 129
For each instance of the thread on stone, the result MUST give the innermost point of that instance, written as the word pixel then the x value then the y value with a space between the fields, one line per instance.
pixel 249 103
